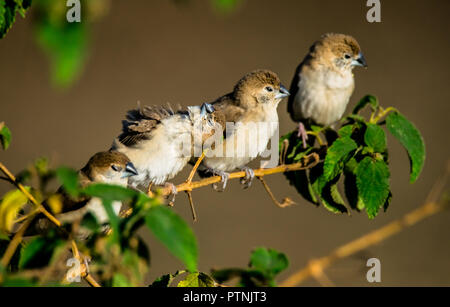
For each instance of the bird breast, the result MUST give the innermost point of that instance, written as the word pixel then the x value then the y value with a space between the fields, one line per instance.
pixel 247 141
pixel 323 96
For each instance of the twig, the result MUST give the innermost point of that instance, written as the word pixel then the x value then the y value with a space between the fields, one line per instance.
pixel 191 203
pixel 308 162
pixel 12 247
pixel 431 207
pixel 287 202
pixel 189 180
pixel 29 196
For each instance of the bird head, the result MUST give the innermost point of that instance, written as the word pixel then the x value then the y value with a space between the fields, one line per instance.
pixel 260 87
pixel 110 167
pixel 340 51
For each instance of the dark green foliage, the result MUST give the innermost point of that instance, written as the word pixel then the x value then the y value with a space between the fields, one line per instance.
pixel 8 10
pixel 411 139
pixel 265 264
pixel 5 135
pixel 358 157
pixel 175 234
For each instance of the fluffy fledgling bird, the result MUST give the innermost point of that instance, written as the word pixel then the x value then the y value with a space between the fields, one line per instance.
pixel 254 100
pixel 109 167
pixel 160 142
pixel 323 83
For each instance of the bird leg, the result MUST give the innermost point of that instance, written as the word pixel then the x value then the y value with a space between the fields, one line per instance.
pixel 249 176
pixel 303 134
pixel 173 193
pixel 224 180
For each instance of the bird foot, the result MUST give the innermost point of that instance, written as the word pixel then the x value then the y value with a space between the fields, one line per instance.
pixel 249 176
pixel 303 134
pixel 224 180
pixel 173 193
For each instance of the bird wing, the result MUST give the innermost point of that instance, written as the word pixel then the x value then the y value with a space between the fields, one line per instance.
pixel 140 122
pixel 228 111
pixel 294 90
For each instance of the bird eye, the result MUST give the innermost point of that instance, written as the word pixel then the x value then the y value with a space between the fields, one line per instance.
pixel 269 89
pixel 116 168
pixel 347 56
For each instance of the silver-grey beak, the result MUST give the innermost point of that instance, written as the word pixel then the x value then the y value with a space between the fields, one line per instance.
pixel 206 108
pixel 130 170
pixel 283 93
pixel 360 61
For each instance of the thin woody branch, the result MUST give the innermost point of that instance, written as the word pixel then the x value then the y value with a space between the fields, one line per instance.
pixel 316 267
pixel 12 247
pixel 308 162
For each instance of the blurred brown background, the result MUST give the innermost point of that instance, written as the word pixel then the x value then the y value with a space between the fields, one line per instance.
pixel 157 52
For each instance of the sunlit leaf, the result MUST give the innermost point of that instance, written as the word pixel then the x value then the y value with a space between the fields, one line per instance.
pixel 197 280
pixel 165 280
pixel 175 234
pixel 10 207
pixel 411 139
pixel 372 179
pixel 268 261
pixel 375 138
pixel 5 135
pixel 69 180
pixel 337 154
pixel 120 280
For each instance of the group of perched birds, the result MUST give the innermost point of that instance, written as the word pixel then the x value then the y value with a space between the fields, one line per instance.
pixel 151 148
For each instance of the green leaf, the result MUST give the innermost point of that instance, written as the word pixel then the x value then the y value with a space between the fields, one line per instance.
pixel 337 154
pixel 110 192
pixel 175 234
pixel 165 280
pixel 375 138
pixel 39 252
pixel 197 280
pixel 5 135
pixel 411 139
pixel 225 6
pixel 332 199
pixel 10 206
pixel 268 261
pixel 66 46
pixel 372 180
pixel 120 280
pixel 18 282
pixel 346 131
pixel 370 100
pixel 69 180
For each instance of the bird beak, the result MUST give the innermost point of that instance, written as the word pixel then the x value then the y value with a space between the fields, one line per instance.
pixel 130 170
pixel 206 109
pixel 360 61
pixel 283 93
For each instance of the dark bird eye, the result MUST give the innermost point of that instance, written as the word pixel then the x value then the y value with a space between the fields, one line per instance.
pixel 269 89
pixel 116 168
pixel 347 56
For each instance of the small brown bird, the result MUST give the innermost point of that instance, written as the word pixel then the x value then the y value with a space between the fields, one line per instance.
pixel 104 167
pixel 160 142
pixel 254 100
pixel 323 83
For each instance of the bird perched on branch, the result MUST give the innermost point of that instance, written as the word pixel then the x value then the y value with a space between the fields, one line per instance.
pixel 253 102
pixel 160 142
pixel 323 83
pixel 109 167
